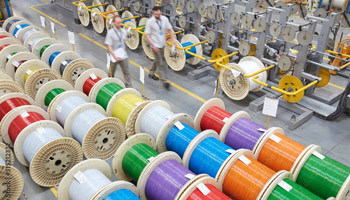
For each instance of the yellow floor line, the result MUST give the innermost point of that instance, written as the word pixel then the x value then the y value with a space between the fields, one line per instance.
pixel 54 191
pixel 138 65
pixel 47 16
pixel 336 86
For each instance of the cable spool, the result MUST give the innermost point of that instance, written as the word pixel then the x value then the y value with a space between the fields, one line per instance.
pixel 242 171
pixel 104 93
pixel 4 34
pixel 340 4
pixel 90 180
pixel 33 38
pixel 26 68
pixel 83 14
pixel 9 173
pixel 283 186
pixel 239 87
pixel 156 119
pixel 110 15
pixel 132 38
pixel 142 23
pixel 49 91
pixel 133 156
pixel 218 53
pixel 128 14
pixel 237 130
pixel 193 193
pixel 147 48
pixel 25 32
pixel 98 22
pixel 8 41
pixel 19 28
pixel 49 53
pixel 60 61
pixel 10 21
pixel 16 61
pixel 322 175
pixel 128 104
pixel 4 75
pixel 75 68
pixel 88 79
pixel 41 45
pixel 9 86
pixel 11 101
pixel 7 53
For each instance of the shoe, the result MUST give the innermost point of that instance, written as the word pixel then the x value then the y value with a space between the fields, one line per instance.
pixel 166 85
pixel 153 77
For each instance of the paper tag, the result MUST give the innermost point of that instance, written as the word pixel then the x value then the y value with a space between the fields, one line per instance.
pixel 28 71
pixel 245 160
pixel 41 130
pixel 270 107
pixel 93 76
pixel 94 14
pixel 275 138
pixel 52 27
pixel 201 187
pixel 142 75
pixel 64 62
pixel 24 114
pixel 318 155
pixel 231 151
pixel 285 186
pixel 261 130
pixel 235 73
pixel 16 35
pixel 179 125
pixel 110 21
pixel 80 177
pixel 173 48
pixel 225 119
pixel 9 57
pixel 129 29
pixel 18 26
pixel 42 20
pixel 108 61
pixel 150 159
pixel 71 37
pixel 216 81
pixel 190 176
pixel 15 63
pixel 59 109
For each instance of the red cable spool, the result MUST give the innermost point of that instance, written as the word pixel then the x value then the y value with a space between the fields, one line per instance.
pixel 215 194
pixel 21 122
pixel 214 114
pixel 2 47
pixel 10 104
pixel 89 83
pixel 3 36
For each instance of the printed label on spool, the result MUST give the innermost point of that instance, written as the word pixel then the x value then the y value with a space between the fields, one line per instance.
pixel 179 125
pixel 231 151
pixel 15 63
pixel 225 119
pixel 318 155
pixel 150 159
pixel 244 159
pixel 129 29
pixel 80 177
pixel 110 21
pixel 216 82
pixel 9 57
pixel 18 26
pixel 94 14
pixel 261 130
pixel 201 187
pixel 235 73
pixel 24 114
pixel 64 62
pixel 275 138
pixel 59 108
pixel 28 71
pixel 40 130
pixel 190 176
pixel 285 186
pixel 93 76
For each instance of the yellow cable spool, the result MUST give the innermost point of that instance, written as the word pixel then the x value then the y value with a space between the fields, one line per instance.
pixel 325 75
pixel 28 73
pixel 291 84
pixel 218 53
pixel 125 105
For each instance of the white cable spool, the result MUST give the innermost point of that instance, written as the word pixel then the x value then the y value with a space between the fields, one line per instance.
pixel 25 32
pixel 340 4
pixel 98 22
pixel 33 38
pixel 83 14
pixel 109 23
pixel 40 43
pixel 236 86
pixel 4 75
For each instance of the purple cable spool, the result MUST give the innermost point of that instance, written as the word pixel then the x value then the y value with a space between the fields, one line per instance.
pixel 166 180
pixel 244 134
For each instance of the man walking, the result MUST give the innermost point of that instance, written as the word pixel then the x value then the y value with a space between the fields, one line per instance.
pixel 156 29
pixel 115 41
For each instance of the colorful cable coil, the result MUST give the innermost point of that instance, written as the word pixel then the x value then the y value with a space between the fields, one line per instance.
pixel 125 105
pixel 105 94
pixel 52 94
pixel 89 83
pixel 10 104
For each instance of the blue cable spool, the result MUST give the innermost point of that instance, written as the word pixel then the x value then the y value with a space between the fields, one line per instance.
pixel 192 50
pixel 121 195
pixel 178 140
pixel 128 20
pixel 208 156
pixel 52 57
pixel 17 28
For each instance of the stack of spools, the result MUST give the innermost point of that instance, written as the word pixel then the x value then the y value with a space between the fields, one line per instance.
pixel 160 176
pixel 133 37
pixel 7 85
pixel 90 180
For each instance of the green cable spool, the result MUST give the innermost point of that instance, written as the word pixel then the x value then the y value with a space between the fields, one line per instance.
pixel 12 54
pixel 136 159
pixel 106 93
pixel 42 50
pixel 296 193
pixel 52 94
pixel 323 177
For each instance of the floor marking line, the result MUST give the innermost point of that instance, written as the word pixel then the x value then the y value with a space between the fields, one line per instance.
pixel 336 86
pixel 93 41
pixel 47 16
pixel 54 191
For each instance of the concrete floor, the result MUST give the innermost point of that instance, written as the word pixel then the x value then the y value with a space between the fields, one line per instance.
pixel 331 136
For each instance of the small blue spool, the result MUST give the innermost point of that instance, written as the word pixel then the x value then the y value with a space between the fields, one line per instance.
pixel 178 141
pixel 192 50
pixel 121 195
pixel 128 20
pixel 209 156
pixel 52 57
pixel 17 29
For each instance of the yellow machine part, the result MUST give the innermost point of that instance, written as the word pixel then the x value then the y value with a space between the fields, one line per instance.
pixel 291 84
pixel 325 75
pixel 218 53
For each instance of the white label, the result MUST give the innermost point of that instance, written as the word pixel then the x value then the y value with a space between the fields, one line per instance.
pixel 40 130
pixel 150 159
pixel 18 26
pixel 28 71
pixel 190 176
pixel 173 48
pixel 225 119
pixel 71 37
pixel 275 138
pixel 216 81
pixel 64 62
pixel 108 61
pixel 231 151
pixel 16 35
pixel 93 76
pixel 42 20
pixel 318 155
pixel 129 29
pixel 235 73
pixel 110 21
pixel 244 159
pixel 201 187
pixel 261 129
pixel 24 114
pixel 138 103
pixel 15 63
pixel 94 14
pixel 270 107
pixel 80 8
pixel 179 125
pixel 52 27
pixel 142 75
pixel 285 186
pixel 9 57
pixel 80 177
pixel 59 109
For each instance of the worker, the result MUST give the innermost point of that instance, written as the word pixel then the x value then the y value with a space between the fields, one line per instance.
pixel 156 29
pixel 115 41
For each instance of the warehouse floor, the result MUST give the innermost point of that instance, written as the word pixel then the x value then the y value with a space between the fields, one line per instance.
pixel 184 96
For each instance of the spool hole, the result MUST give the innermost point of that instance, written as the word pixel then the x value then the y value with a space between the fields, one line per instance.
pixel 105 140
pixel 58 162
